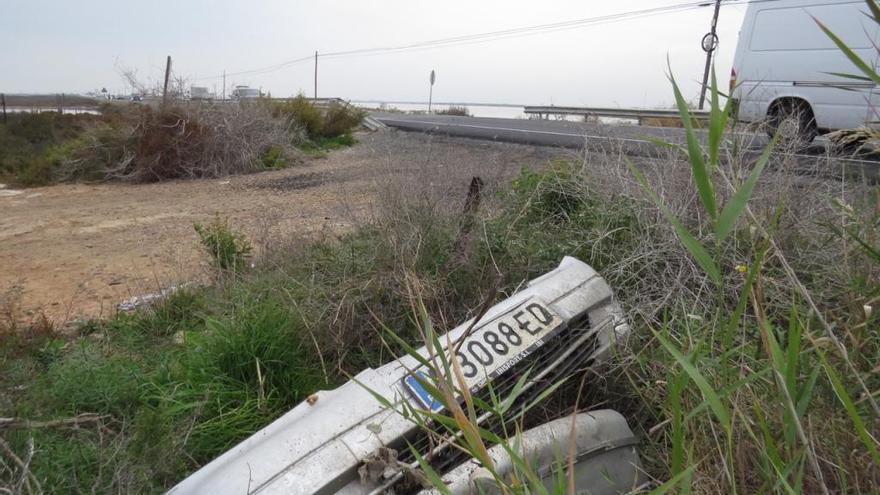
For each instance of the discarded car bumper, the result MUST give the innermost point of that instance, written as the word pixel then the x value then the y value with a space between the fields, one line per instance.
pixel 561 322
pixel 605 461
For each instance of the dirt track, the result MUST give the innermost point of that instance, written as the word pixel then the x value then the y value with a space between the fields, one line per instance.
pixel 78 250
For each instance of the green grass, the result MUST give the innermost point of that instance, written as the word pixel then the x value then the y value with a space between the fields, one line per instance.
pixel 321 145
pixel 212 373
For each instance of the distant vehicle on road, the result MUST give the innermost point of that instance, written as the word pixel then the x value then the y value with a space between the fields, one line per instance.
pixel 786 69
pixel 199 93
pixel 245 93
pixel 136 98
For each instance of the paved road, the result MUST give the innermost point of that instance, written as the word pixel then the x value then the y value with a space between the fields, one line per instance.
pixel 630 139
pixel 635 139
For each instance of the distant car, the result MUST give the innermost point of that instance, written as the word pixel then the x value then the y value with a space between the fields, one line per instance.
pixel 200 93
pixel 245 93
pixel 786 70
pixel 136 98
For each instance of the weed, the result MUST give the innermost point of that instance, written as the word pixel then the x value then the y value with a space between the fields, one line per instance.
pixel 88 380
pixel 273 158
pixel 554 213
pixel 179 311
pixel 708 363
pixel 228 250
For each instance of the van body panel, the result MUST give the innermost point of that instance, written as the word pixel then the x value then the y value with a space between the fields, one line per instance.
pixel 782 53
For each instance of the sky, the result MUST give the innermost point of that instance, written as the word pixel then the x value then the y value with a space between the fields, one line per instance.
pixel 77 46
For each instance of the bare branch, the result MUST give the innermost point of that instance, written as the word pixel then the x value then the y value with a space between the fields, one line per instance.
pixel 26 424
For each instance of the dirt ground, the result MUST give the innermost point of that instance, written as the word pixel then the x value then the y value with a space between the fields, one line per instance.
pixel 76 251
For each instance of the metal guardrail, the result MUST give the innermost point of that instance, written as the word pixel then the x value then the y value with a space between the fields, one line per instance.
pixel 325 102
pixel 638 114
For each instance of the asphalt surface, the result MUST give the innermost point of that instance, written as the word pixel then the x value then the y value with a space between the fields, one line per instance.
pixel 559 133
pixel 630 139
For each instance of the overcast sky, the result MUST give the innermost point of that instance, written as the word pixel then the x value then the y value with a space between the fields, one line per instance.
pixel 78 46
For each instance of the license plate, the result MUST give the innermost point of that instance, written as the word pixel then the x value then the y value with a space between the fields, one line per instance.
pixel 494 347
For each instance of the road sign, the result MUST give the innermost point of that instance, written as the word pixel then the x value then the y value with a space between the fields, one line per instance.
pixel 710 42
pixel 431 90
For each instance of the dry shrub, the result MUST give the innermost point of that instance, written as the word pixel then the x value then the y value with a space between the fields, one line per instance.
pixel 184 141
pixel 169 145
pixel 299 112
pixel 659 273
pixel 341 119
pixel 336 120
pixel 434 172
pixel 458 111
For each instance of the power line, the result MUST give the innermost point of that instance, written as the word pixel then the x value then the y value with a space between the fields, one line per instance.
pixel 471 38
pixel 491 35
pixel 526 30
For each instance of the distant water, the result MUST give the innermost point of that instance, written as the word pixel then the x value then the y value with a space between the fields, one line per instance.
pixel 475 110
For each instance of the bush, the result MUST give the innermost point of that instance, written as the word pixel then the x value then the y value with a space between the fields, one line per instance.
pixel 140 143
pixel 180 141
pixel 33 146
pixel 228 250
pixel 338 120
pixel 100 148
pixel 273 158
pixel 461 111
pixel 300 112
pixel 341 119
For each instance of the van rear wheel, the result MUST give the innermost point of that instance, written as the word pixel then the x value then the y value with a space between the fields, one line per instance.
pixel 795 123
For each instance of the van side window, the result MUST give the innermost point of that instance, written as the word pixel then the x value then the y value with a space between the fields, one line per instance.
pixel 795 29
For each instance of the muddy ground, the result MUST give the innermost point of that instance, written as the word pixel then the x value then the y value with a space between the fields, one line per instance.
pixel 77 250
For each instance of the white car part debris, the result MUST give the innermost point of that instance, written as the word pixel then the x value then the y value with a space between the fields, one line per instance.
pixel 561 323
pixel 605 462
pixel 134 302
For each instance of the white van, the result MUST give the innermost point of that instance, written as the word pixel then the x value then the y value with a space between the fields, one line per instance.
pixel 245 93
pixel 783 70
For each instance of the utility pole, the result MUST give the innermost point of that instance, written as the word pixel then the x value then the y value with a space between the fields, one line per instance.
pixel 167 74
pixel 431 91
pixel 3 103
pixel 316 74
pixel 710 43
pixel 224 84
